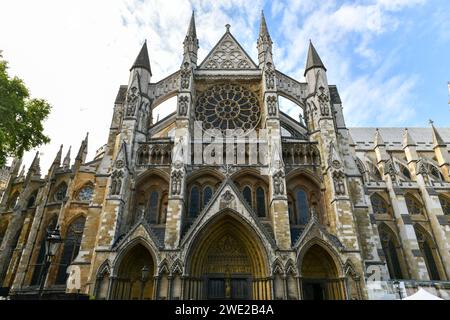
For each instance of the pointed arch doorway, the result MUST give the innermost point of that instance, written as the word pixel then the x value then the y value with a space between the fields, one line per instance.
pixel 320 275
pixel 135 275
pixel 228 261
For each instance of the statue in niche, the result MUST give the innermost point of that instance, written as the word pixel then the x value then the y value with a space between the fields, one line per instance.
pixel 323 101
pixel 177 177
pixel 183 106
pixel 116 183
pixel 278 184
pixel 339 184
pixel 132 101
pixel 270 77
pixel 272 105
pixel 185 76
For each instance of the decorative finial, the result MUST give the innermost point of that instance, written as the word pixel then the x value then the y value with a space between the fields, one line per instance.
pixel 228 27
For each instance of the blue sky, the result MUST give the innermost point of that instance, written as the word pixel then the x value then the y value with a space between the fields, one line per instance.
pixel 389 58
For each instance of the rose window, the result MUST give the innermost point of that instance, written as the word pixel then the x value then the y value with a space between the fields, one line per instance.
pixel 228 107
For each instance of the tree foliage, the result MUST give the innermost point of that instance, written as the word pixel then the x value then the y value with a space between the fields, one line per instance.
pixel 21 117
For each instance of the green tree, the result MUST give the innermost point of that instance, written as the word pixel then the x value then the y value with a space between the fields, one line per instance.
pixel 21 117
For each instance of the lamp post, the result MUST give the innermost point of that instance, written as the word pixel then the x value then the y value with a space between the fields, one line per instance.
pixel 145 272
pixel 52 241
pixel 399 289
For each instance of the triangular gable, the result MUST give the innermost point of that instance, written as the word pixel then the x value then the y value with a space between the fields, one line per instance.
pixel 315 230
pixel 228 54
pixel 140 230
pixel 121 160
pixel 229 197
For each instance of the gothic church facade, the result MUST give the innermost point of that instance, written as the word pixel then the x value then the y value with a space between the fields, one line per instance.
pixel 330 212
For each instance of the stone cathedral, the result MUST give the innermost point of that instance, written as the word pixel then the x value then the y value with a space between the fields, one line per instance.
pixel 323 212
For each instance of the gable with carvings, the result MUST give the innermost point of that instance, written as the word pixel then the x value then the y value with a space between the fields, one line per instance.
pixel 228 55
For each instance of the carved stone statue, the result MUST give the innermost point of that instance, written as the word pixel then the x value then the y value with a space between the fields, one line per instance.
pixel 323 101
pixel 116 183
pixel 185 76
pixel 270 77
pixel 177 177
pixel 272 105
pixel 278 184
pixel 132 101
pixel 339 184
pixel 183 106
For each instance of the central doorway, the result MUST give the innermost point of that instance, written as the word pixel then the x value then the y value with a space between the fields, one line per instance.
pixel 227 262
pixel 314 290
pixel 233 287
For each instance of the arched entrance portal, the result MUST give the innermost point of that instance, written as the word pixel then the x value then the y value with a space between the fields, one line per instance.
pixel 320 276
pixel 228 261
pixel 135 276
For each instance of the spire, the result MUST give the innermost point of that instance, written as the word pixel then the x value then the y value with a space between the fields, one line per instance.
pixel 313 60
pixel 57 160
pixel 190 42
pixel 15 166
pixel 66 162
pixel 192 32
pixel 82 152
pixel 35 167
pixel 264 42
pixel 378 139
pixel 407 139
pixel 142 60
pixel 263 30
pixel 437 139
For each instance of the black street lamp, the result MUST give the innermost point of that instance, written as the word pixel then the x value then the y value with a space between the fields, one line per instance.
pixel 145 272
pixel 399 289
pixel 52 241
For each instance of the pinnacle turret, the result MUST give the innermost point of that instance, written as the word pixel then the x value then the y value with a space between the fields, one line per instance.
pixel 313 60
pixel 191 42
pixel 437 139
pixel 142 60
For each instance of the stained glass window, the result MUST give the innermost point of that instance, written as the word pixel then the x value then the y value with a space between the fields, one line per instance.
pixel 435 173
pixel 85 194
pixel 61 192
pixel 261 202
pixel 390 252
pixel 379 206
pixel 302 207
pixel 430 262
pixel 406 172
pixel 414 207
pixel 228 107
pixel 247 193
pixel 207 194
pixel 194 202
pixel 427 253
pixel 31 200
pixel 153 207
pixel 72 242
pixel 38 268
